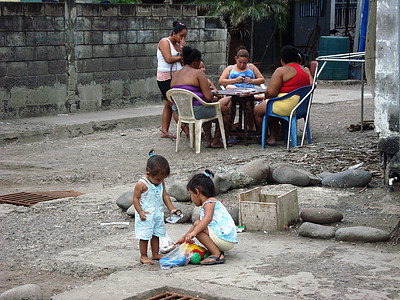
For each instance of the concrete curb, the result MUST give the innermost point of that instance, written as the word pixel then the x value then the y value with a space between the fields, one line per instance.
pixel 53 127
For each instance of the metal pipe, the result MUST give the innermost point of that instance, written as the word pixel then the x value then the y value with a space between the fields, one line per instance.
pixel 362 97
pixel 398 62
pixel 343 55
pixel 341 59
pixel 352 57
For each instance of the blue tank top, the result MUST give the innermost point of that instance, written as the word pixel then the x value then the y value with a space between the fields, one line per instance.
pixel 222 223
pixel 248 73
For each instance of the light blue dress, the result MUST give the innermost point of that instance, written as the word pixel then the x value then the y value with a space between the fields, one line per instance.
pixel 248 73
pixel 222 223
pixel 152 202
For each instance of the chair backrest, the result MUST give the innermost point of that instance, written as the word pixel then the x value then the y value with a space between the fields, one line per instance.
pixel 183 100
pixel 305 93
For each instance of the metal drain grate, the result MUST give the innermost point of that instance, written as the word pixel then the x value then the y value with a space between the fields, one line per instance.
pixel 174 296
pixel 28 199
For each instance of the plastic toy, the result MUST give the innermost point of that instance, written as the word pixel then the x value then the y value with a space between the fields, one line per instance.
pixel 184 254
pixel 196 253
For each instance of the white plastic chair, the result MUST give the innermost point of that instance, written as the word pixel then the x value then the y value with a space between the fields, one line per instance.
pixel 183 100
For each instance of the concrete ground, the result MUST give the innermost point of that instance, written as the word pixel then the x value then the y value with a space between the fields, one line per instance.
pixel 264 265
pixel 72 125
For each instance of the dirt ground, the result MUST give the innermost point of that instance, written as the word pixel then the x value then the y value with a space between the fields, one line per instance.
pixel 104 165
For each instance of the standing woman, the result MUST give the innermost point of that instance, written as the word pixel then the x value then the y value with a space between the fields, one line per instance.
pixel 169 58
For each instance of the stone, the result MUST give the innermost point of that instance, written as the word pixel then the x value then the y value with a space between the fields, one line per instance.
pixel 348 178
pixel 291 175
pixel 222 183
pixel 317 231
pixel 239 180
pixel 321 215
pixel 324 174
pixel 195 213
pixel 178 190
pixel 125 200
pixel 234 212
pixel 361 234
pixel 314 179
pixel 23 292
pixel 257 169
pixel 131 211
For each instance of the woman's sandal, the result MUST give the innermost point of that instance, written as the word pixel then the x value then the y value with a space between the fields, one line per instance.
pixel 172 137
pixel 215 260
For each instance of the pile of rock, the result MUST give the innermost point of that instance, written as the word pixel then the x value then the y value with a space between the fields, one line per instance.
pixel 256 172
pixel 316 219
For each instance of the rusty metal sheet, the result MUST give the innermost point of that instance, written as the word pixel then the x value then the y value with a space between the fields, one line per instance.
pixel 28 199
pixel 173 296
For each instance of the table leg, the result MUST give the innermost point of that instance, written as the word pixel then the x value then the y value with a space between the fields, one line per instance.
pixel 248 108
pixel 246 125
pixel 232 115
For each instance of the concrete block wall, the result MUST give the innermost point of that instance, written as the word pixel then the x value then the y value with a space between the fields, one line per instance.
pixel 386 69
pixel 68 57
pixel 386 99
pixel 32 58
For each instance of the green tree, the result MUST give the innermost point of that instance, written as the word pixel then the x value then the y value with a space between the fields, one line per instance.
pixel 240 15
pixel 121 1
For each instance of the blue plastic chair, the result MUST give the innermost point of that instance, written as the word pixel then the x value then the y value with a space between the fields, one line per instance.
pixel 301 110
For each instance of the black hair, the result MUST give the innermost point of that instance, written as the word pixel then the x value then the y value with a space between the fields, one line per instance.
pixel 203 183
pixel 190 55
pixel 290 54
pixel 157 164
pixel 242 52
pixel 178 27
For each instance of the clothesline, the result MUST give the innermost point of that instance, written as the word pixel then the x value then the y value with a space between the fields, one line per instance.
pixel 356 57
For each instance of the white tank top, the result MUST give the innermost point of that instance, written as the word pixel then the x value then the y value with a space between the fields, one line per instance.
pixel 162 65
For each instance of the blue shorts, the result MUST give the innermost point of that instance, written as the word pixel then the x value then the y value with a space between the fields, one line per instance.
pixel 154 224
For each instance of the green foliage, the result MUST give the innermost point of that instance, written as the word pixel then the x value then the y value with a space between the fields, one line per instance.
pixel 121 1
pixel 237 12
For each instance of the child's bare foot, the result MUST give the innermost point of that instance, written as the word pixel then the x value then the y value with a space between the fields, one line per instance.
pixel 157 256
pixel 145 260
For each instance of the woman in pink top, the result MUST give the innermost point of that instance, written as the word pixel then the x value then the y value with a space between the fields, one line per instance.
pixel 169 60
pixel 284 80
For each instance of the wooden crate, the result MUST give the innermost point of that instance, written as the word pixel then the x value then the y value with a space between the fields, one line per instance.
pixel 267 211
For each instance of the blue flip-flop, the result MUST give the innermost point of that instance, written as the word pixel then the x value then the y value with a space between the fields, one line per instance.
pixel 216 260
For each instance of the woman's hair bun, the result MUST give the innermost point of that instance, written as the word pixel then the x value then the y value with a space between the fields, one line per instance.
pixel 210 173
pixel 174 23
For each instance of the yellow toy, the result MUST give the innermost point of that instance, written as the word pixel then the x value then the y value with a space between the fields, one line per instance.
pixel 196 253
